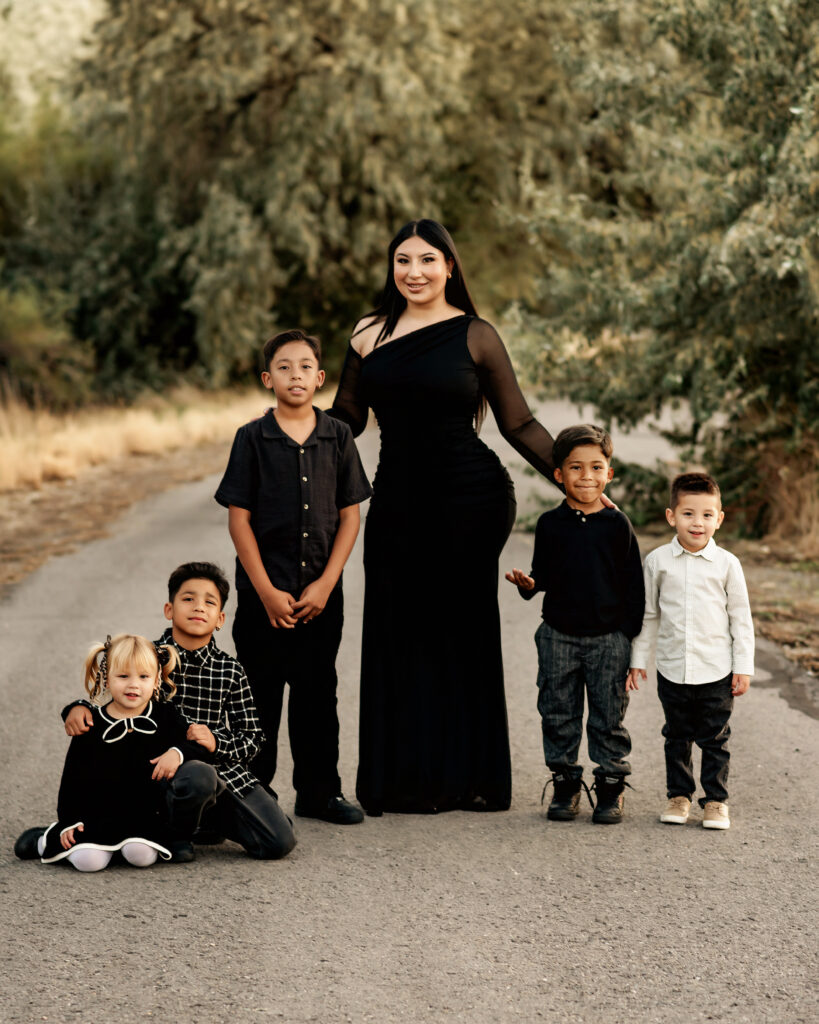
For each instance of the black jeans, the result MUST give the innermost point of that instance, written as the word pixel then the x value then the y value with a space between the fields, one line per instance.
pixel 254 821
pixel 304 657
pixel 194 788
pixel 196 795
pixel 696 714
pixel 570 667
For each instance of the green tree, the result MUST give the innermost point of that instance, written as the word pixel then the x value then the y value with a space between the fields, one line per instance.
pixel 247 162
pixel 687 254
pixel 264 147
pixel 40 359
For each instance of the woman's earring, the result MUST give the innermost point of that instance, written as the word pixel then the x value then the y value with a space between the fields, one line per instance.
pixel 448 276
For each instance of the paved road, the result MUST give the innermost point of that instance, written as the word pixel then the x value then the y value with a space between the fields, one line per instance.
pixel 458 917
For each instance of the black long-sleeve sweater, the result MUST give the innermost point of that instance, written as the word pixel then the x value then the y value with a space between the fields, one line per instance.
pixel 588 568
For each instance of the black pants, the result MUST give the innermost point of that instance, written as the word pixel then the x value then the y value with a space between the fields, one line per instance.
pixel 696 714
pixel 193 789
pixel 304 657
pixel 255 821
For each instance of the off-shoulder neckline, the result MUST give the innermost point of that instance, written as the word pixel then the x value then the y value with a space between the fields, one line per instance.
pixel 409 334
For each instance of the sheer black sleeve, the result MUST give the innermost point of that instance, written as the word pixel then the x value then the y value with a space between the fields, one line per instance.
pixel 500 386
pixel 349 406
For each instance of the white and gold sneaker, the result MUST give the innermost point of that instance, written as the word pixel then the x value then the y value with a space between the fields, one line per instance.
pixel 676 811
pixel 715 815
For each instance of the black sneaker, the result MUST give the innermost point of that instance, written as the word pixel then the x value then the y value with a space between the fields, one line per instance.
pixel 26 846
pixel 182 851
pixel 565 803
pixel 336 810
pixel 610 797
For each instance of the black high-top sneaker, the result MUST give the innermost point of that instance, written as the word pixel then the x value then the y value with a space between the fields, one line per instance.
pixel 610 794
pixel 565 803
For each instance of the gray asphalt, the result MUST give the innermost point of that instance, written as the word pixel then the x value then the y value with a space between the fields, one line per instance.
pixel 457 917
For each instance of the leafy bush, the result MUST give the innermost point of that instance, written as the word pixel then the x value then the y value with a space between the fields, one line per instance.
pixel 691 245
pixel 40 361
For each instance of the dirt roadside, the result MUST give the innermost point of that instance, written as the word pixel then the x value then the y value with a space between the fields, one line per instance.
pixel 59 516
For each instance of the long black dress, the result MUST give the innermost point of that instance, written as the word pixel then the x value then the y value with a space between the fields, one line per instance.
pixel 433 732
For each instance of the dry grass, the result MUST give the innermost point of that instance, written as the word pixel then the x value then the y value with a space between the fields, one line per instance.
pixel 40 446
pixel 794 492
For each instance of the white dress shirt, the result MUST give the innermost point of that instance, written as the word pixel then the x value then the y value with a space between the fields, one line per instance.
pixel 697 614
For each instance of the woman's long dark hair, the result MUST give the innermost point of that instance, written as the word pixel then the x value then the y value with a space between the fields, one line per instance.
pixel 392 303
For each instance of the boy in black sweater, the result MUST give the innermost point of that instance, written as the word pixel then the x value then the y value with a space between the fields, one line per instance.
pixel 587 563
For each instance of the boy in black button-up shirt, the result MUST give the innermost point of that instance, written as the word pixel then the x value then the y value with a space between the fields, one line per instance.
pixel 293 485
pixel 587 563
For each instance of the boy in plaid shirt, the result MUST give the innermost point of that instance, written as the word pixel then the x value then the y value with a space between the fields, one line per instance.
pixel 213 695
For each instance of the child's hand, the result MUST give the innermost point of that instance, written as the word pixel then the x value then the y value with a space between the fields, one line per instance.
pixel 166 765
pixel 279 607
pixel 79 720
pixel 67 839
pixel 739 684
pixel 634 675
pixel 520 579
pixel 312 601
pixel 202 735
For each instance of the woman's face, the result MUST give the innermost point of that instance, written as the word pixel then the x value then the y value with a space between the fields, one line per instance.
pixel 421 271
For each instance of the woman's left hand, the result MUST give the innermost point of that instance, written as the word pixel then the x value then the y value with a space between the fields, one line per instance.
pixel 608 502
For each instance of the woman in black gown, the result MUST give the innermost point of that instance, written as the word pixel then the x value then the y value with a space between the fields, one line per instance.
pixel 433 732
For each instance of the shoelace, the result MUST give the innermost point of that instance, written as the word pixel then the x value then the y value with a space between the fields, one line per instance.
pixel 596 787
pixel 552 781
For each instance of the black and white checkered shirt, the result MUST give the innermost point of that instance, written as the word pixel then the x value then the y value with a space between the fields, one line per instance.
pixel 212 688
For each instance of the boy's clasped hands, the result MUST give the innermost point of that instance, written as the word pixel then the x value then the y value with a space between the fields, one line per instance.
pixel 285 611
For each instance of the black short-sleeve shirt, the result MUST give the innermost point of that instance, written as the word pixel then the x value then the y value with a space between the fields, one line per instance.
pixel 293 493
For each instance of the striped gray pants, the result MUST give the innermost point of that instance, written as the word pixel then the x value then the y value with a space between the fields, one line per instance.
pixel 568 668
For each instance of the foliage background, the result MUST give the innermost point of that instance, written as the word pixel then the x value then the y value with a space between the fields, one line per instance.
pixel 634 187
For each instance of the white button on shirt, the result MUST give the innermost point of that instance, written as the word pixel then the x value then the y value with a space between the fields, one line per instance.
pixel 697 614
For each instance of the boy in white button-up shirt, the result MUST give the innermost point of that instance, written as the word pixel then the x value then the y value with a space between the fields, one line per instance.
pixel 699 618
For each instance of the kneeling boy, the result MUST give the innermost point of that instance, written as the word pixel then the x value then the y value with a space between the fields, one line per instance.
pixel 212 692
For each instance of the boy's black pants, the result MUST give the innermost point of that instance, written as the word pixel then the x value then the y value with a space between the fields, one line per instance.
pixel 197 795
pixel 696 714
pixel 304 657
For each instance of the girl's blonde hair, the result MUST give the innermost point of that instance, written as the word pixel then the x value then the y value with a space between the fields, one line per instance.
pixel 127 650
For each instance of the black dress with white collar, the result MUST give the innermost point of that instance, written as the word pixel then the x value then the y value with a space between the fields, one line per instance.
pixel 107 786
